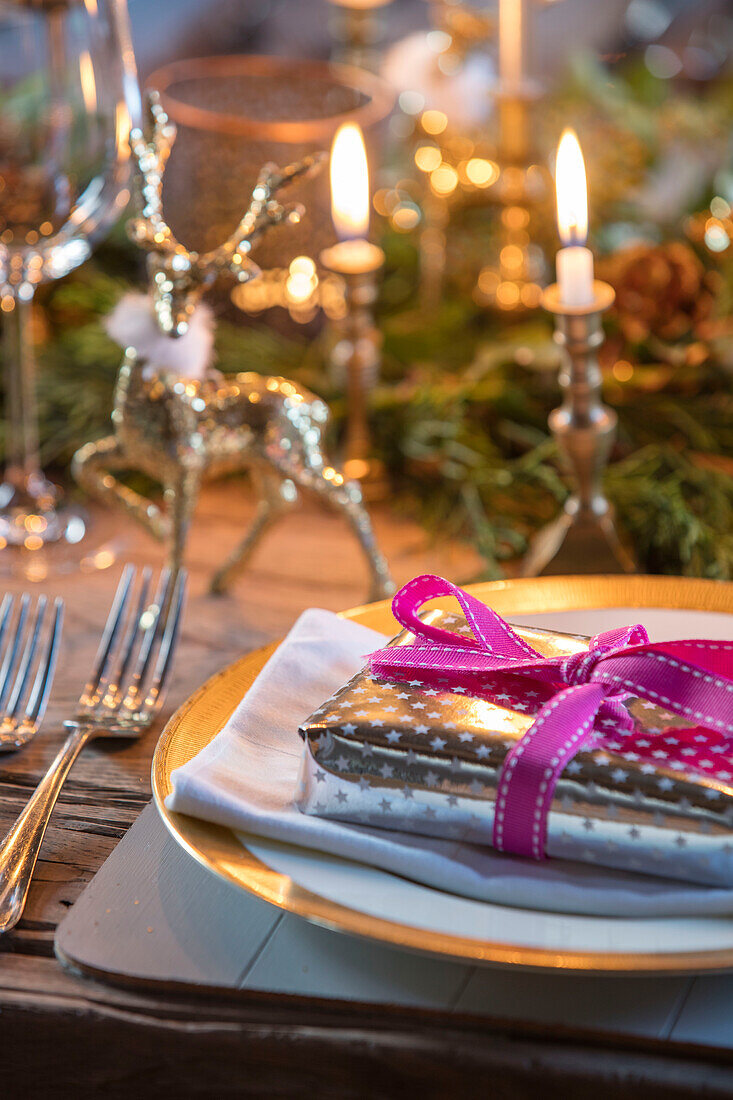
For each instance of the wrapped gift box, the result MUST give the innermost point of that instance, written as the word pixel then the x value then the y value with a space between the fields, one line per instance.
pixel 407 756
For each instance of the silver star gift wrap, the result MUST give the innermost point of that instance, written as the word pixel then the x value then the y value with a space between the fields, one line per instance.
pixel 422 759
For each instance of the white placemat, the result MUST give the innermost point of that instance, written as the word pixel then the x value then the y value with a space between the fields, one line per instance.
pixel 153 914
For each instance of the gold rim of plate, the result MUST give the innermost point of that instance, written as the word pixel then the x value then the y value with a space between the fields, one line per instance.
pixel 217 848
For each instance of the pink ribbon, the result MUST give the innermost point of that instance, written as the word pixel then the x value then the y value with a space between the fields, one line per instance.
pixel 692 678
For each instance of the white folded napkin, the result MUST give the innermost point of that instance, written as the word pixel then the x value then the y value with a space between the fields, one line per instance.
pixel 246 779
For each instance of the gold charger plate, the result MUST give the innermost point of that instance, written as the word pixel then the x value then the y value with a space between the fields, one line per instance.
pixel 217 848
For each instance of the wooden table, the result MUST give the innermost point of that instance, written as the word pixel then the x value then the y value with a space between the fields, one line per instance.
pixel 66 1036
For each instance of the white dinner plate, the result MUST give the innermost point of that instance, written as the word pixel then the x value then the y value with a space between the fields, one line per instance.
pixel 366 901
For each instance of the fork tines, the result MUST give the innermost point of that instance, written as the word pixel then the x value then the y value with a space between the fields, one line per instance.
pixel 135 655
pixel 29 646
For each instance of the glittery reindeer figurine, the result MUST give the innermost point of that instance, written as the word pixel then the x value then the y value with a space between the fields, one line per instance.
pixel 178 420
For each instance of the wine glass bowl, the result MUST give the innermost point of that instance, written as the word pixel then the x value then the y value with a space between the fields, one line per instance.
pixel 64 173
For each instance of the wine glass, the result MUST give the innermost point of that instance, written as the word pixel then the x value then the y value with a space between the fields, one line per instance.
pixel 67 91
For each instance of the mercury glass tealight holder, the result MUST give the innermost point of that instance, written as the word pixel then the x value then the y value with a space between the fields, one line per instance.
pixel 583 538
pixel 235 113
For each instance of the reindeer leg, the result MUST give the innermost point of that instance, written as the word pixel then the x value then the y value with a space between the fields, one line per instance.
pixel 181 496
pixel 346 499
pixel 91 466
pixel 274 501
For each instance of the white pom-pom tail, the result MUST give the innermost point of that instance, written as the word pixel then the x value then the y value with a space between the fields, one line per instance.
pixel 132 324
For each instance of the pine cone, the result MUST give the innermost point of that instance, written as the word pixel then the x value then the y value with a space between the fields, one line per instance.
pixel 661 290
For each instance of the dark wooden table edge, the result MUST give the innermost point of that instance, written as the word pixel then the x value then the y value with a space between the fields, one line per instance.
pixel 206 1034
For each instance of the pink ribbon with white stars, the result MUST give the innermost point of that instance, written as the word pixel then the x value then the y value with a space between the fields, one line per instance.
pixel 691 678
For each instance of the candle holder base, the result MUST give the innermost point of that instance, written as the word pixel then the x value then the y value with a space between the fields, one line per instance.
pixel 578 542
pixel 583 539
pixel 355 358
pixel 43 537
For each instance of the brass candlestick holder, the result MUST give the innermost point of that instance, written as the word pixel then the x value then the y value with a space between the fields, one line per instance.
pixel 514 281
pixel 357 30
pixel 355 355
pixel 583 539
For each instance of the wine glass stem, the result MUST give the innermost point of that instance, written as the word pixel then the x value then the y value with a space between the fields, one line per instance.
pixel 23 470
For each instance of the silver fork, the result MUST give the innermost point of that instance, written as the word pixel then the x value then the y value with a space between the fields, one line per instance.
pixel 121 699
pixel 23 692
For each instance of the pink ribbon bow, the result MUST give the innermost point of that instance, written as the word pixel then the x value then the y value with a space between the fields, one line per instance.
pixel 691 678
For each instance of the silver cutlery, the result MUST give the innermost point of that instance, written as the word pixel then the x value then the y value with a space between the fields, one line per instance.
pixel 29 649
pixel 121 699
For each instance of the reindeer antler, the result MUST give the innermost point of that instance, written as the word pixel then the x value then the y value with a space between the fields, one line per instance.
pixel 151 151
pixel 263 212
pixel 178 275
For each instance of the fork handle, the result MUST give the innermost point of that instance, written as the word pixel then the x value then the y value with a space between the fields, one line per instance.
pixel 19 850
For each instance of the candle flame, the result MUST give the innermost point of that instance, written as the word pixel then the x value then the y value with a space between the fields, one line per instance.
pixel 349 183
pixel 572 190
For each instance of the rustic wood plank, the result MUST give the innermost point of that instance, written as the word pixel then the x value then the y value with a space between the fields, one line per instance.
pixel 119 1052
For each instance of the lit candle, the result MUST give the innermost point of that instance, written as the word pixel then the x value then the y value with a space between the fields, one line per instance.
pixel 574 262
pixel 512 30
pixel 354 254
